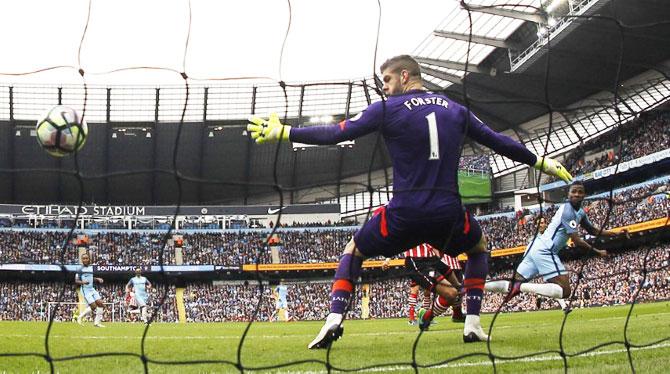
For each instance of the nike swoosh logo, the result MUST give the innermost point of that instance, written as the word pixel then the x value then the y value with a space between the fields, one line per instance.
pixel 275 211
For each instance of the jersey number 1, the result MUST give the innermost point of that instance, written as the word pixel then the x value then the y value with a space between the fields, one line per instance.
pixel 432 136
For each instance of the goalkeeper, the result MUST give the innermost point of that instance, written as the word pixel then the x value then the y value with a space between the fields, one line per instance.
pixel 424 133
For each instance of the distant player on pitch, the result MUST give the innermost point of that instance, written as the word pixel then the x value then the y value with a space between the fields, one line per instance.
pixel 84 278
pixel 139 286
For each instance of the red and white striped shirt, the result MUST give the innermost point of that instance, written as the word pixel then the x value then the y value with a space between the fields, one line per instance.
pixel 421 250
pixel 452 262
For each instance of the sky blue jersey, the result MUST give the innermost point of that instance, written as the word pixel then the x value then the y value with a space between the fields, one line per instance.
pixel 139 285
pixel 85 273
pixel 564 223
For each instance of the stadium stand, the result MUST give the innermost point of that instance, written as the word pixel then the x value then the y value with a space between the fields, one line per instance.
pixel 606 281
pixel 308 245
pixel 642 136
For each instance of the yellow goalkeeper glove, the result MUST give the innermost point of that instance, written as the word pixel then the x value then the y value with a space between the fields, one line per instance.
pixel 263 131
pixel 553 167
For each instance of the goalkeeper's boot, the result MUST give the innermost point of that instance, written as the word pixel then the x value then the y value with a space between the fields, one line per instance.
pixel 425 319
pixel 473 332
pixel 78 320
pixel 331 331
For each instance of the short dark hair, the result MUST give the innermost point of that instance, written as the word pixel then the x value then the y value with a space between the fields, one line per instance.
pixel 577 183
pixel 401 62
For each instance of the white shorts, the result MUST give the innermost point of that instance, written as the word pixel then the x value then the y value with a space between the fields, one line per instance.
pixel 538 260
pixel 90 295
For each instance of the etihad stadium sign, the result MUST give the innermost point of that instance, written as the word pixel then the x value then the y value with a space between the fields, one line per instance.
pixel 157 211
pixel 60 210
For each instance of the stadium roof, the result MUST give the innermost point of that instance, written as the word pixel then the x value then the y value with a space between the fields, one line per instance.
pixel 509 81
pixel 505 86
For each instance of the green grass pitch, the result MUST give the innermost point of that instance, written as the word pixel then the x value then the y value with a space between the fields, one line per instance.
pixel 365 343
pixel 478 185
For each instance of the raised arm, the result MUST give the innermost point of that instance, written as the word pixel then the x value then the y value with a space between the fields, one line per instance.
pixel 508 147
pixel 595 230
pixel 271 130
pixel 582 243
pixel 569 222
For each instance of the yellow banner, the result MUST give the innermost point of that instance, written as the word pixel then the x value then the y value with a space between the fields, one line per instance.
pixel 642 226
pixel 318 266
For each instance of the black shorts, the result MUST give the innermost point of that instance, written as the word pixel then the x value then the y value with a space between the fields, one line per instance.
pixel 426 271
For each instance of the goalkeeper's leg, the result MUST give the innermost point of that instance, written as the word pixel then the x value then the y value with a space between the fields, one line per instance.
pixel 476 269
pixel 348 270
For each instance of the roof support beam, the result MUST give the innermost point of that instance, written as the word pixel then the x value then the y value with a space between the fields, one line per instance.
pixel 493 42
pixel 432 86
pixel 451 65
pixel 531 17
pixel 442 75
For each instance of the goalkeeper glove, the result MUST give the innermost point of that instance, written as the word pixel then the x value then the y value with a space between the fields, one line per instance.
pixel 268 131
pixel 553 167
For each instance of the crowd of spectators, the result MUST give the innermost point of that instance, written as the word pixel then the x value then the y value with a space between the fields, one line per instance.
pixel 630 206
pixel 481 162
pixel 311 245
pixel 642 136
pixel 611 280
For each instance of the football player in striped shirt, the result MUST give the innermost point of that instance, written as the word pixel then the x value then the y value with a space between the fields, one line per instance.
pixel 427 269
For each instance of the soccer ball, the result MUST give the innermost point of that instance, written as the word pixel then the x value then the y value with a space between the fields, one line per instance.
pixel 61 131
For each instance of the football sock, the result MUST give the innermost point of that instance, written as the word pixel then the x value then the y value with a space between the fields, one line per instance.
pixel 440 306
pixel 98 315
pixel 545 289
pixel 347 272
pixel 86 312
pixel 476 269
pixel 497 286
pixel 427 301
pixel 412 305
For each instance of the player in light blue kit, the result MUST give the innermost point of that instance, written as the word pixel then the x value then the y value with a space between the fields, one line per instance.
pixel 84 278
pixel 281 304
pixel 139 286
pixel 541 256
